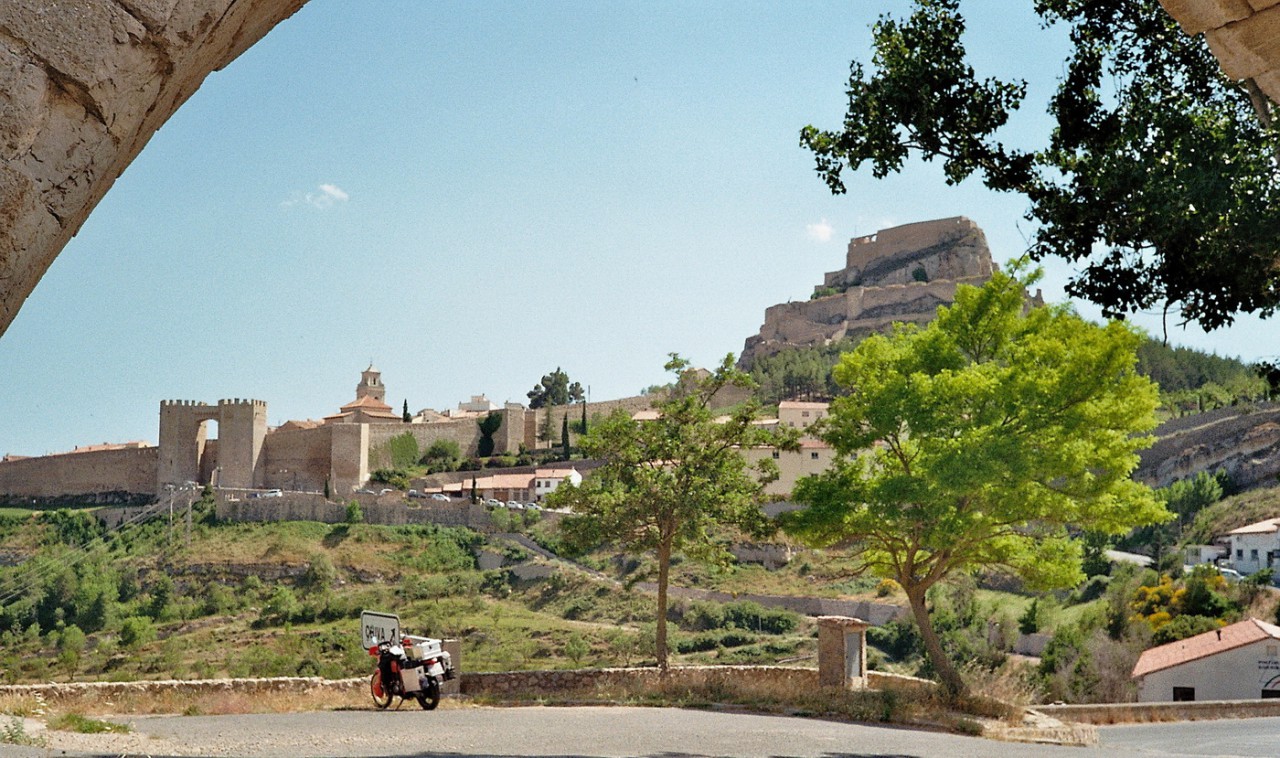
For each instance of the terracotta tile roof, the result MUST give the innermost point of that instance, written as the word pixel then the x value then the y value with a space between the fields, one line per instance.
pixel 296 424
pixel 1262 527
pixel 368 402
pixel 511 481
pixel 554 473
pixel 809 443
pixel 1204 645
pixel 803 406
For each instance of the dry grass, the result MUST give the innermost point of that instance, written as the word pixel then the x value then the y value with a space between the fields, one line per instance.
pixel 23 706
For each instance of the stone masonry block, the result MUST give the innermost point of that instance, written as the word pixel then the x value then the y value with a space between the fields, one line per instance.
pixel 1249 47
pixel 1197 16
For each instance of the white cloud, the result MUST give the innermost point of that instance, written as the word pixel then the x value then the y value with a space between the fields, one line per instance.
pixel 819 232
pixel 322 197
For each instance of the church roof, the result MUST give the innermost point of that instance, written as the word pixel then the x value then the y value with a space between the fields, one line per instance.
pixel 368 403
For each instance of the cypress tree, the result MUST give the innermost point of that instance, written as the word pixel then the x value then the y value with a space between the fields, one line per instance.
pixel 405 415
pixel 564 434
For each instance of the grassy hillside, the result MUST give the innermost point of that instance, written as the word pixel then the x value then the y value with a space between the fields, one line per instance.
pixel 284 599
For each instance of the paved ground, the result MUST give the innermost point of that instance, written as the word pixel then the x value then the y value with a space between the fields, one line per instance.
pixel 602 732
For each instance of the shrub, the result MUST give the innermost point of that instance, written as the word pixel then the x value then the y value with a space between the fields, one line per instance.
pixel 136 631
pixel 886 587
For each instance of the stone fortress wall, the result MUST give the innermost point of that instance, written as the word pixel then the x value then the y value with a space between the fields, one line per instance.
pixel 128 470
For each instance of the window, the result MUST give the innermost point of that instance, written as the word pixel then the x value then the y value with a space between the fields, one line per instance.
pixel 804 414
pixel 1239 554
pixel 1271 651
pixel 1253 554
pixel 776 455
pixel 1184 694
pixel 813 456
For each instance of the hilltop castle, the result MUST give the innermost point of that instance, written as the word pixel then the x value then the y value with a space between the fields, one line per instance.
pixel 898 274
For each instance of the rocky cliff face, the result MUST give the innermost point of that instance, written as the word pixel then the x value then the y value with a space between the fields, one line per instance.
pixel 1243 441
pixel 898 274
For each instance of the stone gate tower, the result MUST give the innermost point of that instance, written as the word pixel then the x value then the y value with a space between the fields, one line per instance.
pixel 187 456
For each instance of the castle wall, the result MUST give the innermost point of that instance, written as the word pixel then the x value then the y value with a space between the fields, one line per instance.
pixel 348 457
pixel 297 459
pixel 242 427
pixel 131 470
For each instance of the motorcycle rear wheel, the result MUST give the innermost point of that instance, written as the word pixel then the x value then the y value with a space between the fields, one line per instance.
pixel 429 697
pixel 381 698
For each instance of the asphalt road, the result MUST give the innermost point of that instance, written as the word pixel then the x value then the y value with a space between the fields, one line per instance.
pixel 603 732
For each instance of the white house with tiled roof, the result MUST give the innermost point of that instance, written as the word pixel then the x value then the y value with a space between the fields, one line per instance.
pixel 1236 662
pixel 1255 547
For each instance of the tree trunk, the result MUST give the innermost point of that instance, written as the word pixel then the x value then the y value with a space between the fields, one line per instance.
pixel 660 634
pixel 947 673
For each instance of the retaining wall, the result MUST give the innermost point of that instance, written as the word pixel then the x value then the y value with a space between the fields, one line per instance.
pixel 1127 713
pixel 304 507
pixel 872 612
pixel 510 683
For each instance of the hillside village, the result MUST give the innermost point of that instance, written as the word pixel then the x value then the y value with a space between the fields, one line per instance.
pixel 489 469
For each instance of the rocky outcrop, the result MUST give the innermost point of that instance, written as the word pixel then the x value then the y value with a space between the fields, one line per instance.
pixel 894 275
pixel 1242 440
pixel 83 86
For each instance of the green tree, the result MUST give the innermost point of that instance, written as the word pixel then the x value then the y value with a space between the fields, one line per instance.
pixel 666 484
pixel 404 414
pixel 442 455
pixel 564 435
pixel 976 442
pixel 136 631
pixel 488 426
pixel 555 389
pixel 355 514
pixel 71 644
pixel 1158 178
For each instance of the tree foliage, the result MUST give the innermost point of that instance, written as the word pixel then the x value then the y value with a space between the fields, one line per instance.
pixel 555 389
pixel 976 441
pixel 1159 176
pixel 666 484
pixel 488 426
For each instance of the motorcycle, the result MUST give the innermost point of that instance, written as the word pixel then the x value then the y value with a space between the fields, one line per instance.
pixel 416 674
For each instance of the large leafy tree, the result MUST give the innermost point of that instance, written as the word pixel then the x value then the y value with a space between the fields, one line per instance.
pixel 978 442
pixel 1159 179
pixel 555 389
pixel 666 485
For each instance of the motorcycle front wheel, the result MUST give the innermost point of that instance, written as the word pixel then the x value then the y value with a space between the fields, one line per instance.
pixel 381 698
pixel 429 697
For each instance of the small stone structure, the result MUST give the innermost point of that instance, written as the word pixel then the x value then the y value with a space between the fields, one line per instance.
pixel 842 652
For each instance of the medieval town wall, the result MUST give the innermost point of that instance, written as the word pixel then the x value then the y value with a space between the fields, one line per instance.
pixel 298 459
pixel 129 470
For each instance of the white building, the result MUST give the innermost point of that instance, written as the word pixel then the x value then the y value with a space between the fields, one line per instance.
pixel 1255 547
pixel 546 480
pixel 1236 662
pixel 813 457
pixel 795 414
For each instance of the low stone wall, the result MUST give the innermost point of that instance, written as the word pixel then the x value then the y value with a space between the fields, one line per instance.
pixel 870 611
pixel 306 507
pixel 190 687
pixel 1128 713
pixel 511 683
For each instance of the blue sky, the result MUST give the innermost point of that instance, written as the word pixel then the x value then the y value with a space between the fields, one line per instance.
pixel 470 195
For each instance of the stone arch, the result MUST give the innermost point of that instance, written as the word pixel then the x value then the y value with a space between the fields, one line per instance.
pixel 83 86
pixel 186 455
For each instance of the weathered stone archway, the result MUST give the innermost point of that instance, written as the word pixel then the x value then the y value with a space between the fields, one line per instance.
pixel 83 86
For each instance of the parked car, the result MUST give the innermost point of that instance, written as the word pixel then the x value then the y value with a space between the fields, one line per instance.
pixel 439 496
pixel 385 490
pixel 493 503
pixel 270 493
pixel 513 505
pixel 365 492
pixel 532 507
pixel 418 495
